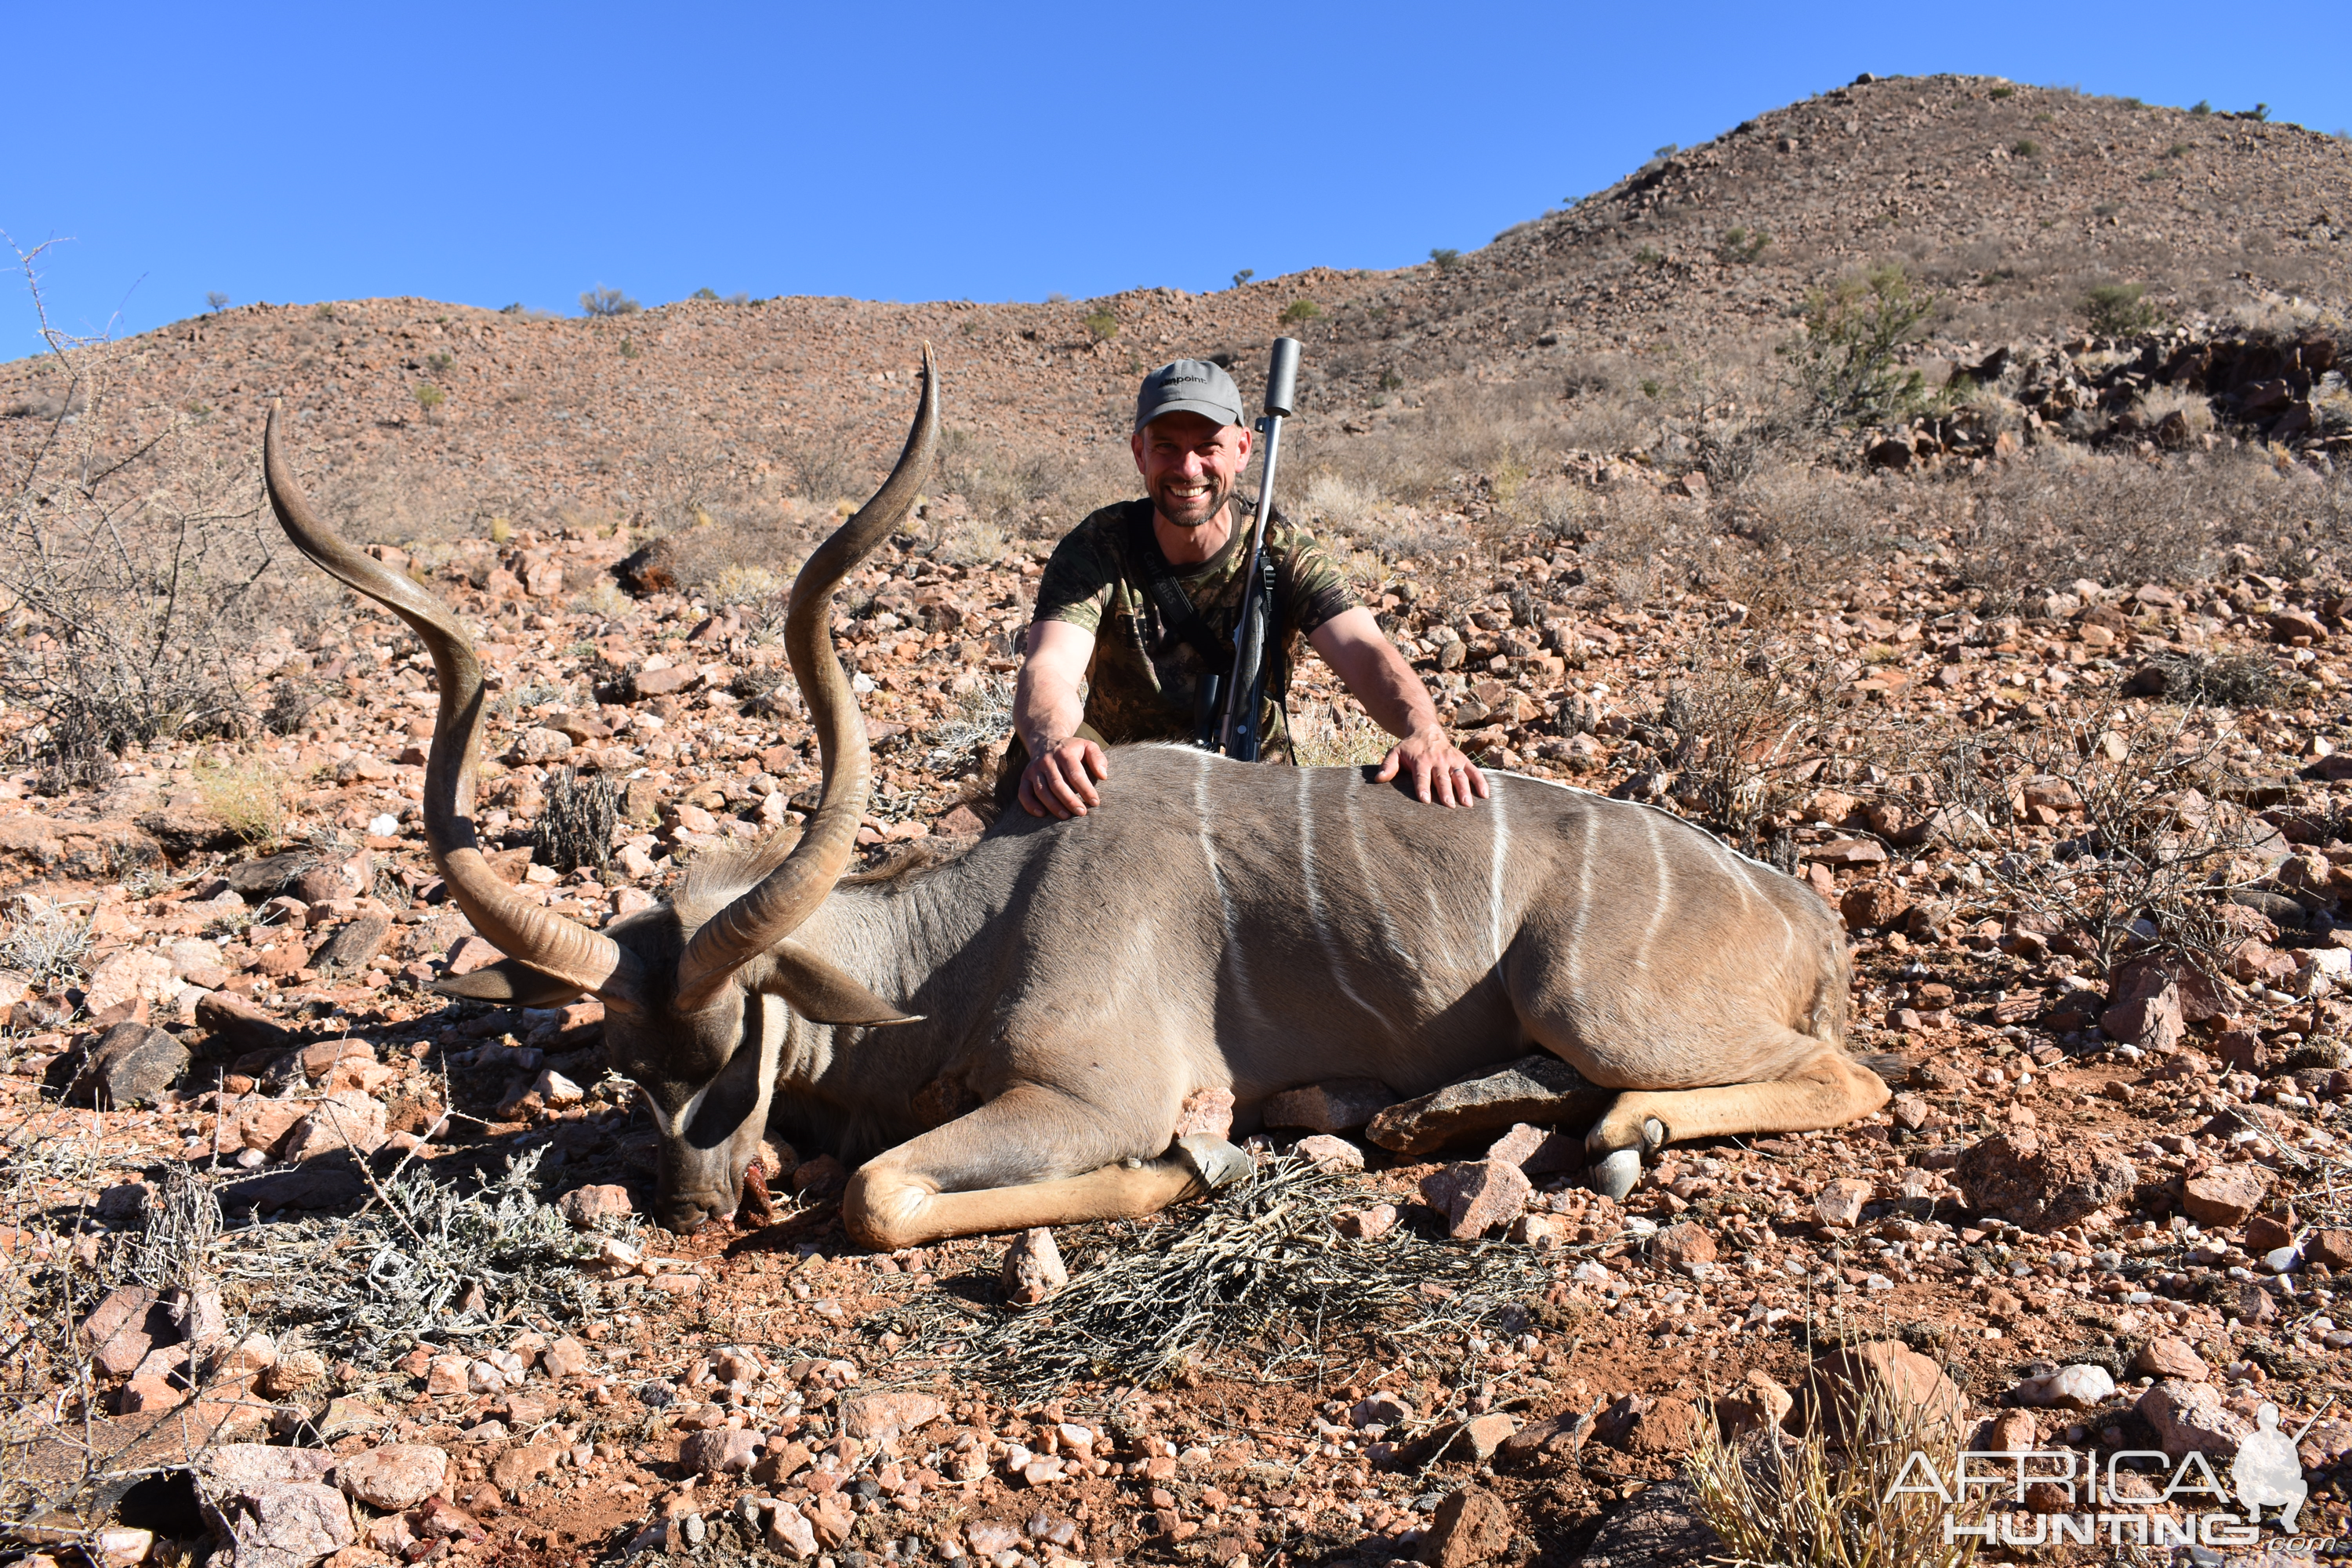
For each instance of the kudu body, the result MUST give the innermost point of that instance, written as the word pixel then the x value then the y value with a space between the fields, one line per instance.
pixel 1055 991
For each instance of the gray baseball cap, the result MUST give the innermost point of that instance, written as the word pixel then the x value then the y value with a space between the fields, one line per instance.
pixel 1190 386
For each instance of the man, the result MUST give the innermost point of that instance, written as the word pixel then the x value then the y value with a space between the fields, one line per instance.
pixel 1105 605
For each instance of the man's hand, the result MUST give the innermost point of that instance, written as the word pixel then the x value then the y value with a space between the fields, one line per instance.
pixel 1440 772
pixel 1061 781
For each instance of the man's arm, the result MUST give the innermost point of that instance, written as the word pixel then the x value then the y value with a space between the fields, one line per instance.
pixel 1046 712
pixel 1353 643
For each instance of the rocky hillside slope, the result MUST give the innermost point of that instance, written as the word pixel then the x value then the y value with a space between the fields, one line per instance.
pixel 1674 286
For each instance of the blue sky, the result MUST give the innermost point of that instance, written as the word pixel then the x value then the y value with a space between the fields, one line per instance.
pixel 485 155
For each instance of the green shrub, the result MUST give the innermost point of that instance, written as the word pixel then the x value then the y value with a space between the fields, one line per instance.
pixel 1301 310
pixel 2118 311
pixel 2201 108
pixel 1102 326
pixel 1997 94
pixel 439 363
pixel 1846 363
pixel 2026 147
pixel 1244 276
pixel 704 294
pixel 1446 257
pixel 430 397
pixel 601 303
pixel 1742 244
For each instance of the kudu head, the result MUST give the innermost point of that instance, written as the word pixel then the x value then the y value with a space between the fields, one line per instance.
pixel 688 987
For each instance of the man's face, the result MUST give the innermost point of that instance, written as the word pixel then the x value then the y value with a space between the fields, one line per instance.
pixel 1189 464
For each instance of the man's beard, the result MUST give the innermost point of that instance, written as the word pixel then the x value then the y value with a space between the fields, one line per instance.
pixel 1192 511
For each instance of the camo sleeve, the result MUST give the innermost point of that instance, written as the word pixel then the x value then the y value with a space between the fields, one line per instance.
pixel 1081 574
pixel 1309 579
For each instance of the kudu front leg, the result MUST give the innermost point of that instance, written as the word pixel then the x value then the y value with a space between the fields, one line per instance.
pixel 997 1170
pixel 1829 1089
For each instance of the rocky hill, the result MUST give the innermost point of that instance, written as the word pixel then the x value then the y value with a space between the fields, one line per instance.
pixel 1667 291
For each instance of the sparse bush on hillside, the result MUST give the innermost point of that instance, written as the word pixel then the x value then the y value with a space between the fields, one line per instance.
pixel 1101 326
pixel 215 300
pixel 2120 310
pixel 430 398
pixel 1741 243
pixel 1244 276
pixel 1846 363
pixel 602 302
pixel 1301 310
pixel 131 556
pixel 1446 257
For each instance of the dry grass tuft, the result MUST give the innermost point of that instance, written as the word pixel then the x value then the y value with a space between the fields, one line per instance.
pixel 1259 1264
pixel 44 943
pixel 1323 737
pixel 1779 1500
pixel 249 796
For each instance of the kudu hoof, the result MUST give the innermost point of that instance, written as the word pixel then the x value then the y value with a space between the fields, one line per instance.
pixel 1615 1176
pixel 1219 1163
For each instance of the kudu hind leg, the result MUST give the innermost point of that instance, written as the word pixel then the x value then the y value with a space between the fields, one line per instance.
pixel 1828 1090
pixel 990 1170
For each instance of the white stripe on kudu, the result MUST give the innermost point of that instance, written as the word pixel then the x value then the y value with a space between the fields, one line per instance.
pixel 1500 837
pixel 1332 954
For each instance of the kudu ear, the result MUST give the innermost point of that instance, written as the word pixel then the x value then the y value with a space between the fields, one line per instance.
pixel 823 993
pixel 510 980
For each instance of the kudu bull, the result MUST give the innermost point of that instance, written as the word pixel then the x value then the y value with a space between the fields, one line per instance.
pixel 1005 1039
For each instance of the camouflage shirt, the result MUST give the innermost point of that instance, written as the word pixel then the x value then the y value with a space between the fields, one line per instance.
pixel 1144 679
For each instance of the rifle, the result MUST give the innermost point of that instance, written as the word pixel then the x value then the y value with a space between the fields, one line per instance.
pixel 1239 735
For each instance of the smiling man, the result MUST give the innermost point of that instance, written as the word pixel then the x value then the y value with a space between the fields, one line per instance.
pixel 1140 600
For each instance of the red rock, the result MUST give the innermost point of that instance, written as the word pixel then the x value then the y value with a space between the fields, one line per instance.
pixel 831 1518
pixel 144 1394
pixel 1841 1202
pixel 1206 1111
pixel 1470 1526
pixel 665 682
pixel 1679 1244
pixel 2265 1234
pixel 567 1357
pixel 1539 1151
pixel 2190 1417
pixel 123 1328
pixel 1835 1384
pixel 346 1119
pixel 2223 1196
pixel 2042 1183
pixel 396 1476
pixel 877 1419
pixel 471 953
pixel 2168 1356
pixel 134 971
pixel 1341 1105
pixel 584 1207
pixel 1033 1268
pixel 1330 1153
pixel 721 1451
pixel 1477 1196
pixel 2332 1247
